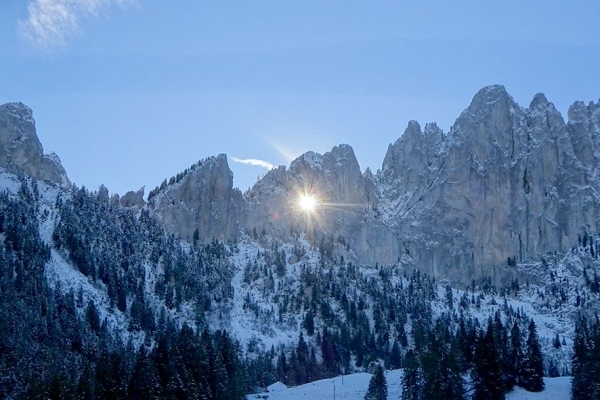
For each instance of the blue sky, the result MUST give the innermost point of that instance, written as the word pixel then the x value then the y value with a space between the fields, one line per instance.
pixel 129 93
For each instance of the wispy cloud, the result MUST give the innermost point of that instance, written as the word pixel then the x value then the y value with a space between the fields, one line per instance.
pixel 51 23
pixel 253 161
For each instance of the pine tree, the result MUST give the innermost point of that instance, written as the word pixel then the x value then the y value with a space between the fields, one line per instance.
pixel 581 383
pixel 515 358
pixel 412 379
pixel 594 365
pixel 309 323
pixel 377 386
pixel 144 382
pixel 455 385
pixel 532 376
pixel 556 342
pixel 93 318
pixel 395 356
pixel 586 361
pixel 487 374
pixel 503 348
pixel 449 297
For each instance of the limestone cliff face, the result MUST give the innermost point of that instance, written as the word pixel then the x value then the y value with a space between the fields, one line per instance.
pixel 132 199
pixel 20 149
pixel 202 199
pixel 506 181
pixel 347 205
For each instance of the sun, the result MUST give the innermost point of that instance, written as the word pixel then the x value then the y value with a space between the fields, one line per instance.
pixel 307 203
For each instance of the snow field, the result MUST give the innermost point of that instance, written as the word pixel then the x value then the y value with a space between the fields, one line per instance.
pixel 355 387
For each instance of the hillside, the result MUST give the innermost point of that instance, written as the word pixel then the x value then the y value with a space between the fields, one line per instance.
pixel 481 238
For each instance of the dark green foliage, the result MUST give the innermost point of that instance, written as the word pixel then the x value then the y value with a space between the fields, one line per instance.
pixel 377 386
pixel 586 361
pixel 515 358
pixel 395 356
pixel 533 364
pixel 412 379
pixel 487 375
pixel 556 342
pixel 93 318
pixel 109 243
pixel 309 323
pixel 38 326
pixel 449 297
pixel 54 344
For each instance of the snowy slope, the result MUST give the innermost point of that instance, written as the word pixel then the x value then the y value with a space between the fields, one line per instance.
pixel 259 318
pixel 355 386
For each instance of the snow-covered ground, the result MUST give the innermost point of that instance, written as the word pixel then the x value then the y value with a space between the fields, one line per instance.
pixel 355 386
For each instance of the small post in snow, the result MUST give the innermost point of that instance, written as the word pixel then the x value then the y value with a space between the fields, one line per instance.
pixel 333 388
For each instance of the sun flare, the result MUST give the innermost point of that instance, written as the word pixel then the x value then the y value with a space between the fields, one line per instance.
pixel 307 203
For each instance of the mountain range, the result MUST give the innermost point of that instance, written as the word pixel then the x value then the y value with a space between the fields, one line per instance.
pixel 497 216
pixel 505 183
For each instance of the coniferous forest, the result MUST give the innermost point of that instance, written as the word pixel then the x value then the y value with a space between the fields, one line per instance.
pixel 586 360
pixel 58 342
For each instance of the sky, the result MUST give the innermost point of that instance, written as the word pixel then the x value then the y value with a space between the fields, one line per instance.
pixel 130 92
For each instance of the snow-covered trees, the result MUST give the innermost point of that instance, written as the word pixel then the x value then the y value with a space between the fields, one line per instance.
pixel 533 364
pixel 586 361
pixel 377 386
pixel 487 373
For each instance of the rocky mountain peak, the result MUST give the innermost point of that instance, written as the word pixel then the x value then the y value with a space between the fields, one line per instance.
pixel 342 154
pixel 19 112
pixel 489 95
pixel 133 199
pixel 579 111
pixel 309 160
pixel 413 131
pixel 201 199
pixel 505 182
pixel 491 105
pixel 20 148
pixel 539 101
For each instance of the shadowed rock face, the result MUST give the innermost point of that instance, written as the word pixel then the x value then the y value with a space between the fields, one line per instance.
pixel 203 199
pixel 346 210
pixel 20 149
pixel 506 181
pixel 133 199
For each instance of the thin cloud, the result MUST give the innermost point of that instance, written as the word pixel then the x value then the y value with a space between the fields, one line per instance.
pixel 51 23
pixel 253 161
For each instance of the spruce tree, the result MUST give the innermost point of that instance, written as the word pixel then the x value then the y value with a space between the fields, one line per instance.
pixel 586 361
pixel 556 342
pixel 594 364
pixel 377 386
pixel 309 323
pixel 515 358
pixel 581 381
pixel 487 374
pixel 412 379
pixel 144 382
pixel 502 345
pixel 532 376
pixel 395 356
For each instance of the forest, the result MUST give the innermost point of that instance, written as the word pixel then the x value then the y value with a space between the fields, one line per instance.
pixel 58 342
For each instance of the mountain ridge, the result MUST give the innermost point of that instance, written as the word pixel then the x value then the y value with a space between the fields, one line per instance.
pixel 358 280
pixel 505 182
